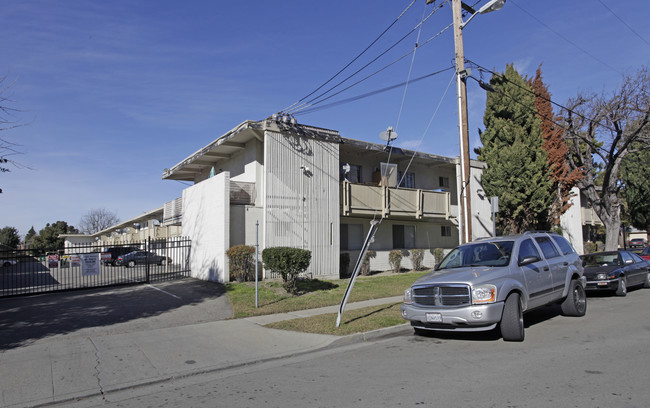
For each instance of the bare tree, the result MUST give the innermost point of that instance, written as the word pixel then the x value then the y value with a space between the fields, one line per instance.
pixel 97 220
pixel 7 148
pixel 602 131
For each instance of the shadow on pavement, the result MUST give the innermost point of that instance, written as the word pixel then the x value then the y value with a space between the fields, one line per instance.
pixel 25 320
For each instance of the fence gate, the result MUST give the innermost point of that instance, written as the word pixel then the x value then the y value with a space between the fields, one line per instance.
pixel 27 272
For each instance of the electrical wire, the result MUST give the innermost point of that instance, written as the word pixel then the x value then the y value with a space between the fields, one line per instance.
pixel 296 111
pixel 316 98
pixel 408 76
pixel 366 95
pixel 503 77
pixel 624 23
pixel 565 38
pixel 435 113
pixel 354 59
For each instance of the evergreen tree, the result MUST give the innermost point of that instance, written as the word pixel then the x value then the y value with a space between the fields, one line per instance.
pixel 29 238
pixel 48 237
pixel 564 179
pixel 635 175
pixel 9 236
pixel 517 169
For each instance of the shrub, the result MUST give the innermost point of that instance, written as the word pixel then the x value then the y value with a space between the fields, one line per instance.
pixel 417 256
pixel 242 262
pixel 288 262
pixel 395 260
pixel 365 265
pixel 438 254
pixel 590 247
pixel 344 264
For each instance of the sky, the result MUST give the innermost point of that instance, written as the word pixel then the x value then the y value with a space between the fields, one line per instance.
pixel 110 93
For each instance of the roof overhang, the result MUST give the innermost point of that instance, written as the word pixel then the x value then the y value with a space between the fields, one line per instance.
pixel 234 141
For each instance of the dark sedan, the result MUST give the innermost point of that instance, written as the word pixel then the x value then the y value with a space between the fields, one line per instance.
pixel 615 271
pixel 141 258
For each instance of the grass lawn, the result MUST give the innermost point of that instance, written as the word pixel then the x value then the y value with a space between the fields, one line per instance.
pixel 353 321
pixel 272 298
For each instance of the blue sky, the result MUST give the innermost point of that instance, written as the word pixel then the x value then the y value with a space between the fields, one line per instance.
pixel 113 92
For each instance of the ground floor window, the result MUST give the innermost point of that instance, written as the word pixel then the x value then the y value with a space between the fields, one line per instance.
pixel 445 230
pixel 404 236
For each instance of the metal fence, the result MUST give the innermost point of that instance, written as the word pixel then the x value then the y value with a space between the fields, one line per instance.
pixel 27 272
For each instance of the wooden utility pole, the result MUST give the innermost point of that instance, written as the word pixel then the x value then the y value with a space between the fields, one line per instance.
pixel 465 224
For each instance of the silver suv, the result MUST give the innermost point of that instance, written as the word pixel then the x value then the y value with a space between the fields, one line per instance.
pixel 493 281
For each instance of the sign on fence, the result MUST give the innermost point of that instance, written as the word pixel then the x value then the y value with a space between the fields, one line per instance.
pixel 89 264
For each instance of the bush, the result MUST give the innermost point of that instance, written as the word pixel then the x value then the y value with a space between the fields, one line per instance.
pixel 288 262
pixel 242 262
pixel 417 256
pixel 395 260
pixel 365 265
pixel 438 254
pixel 344 264
pixel 590 247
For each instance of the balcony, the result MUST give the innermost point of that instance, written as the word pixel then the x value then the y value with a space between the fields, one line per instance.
pixel 589 217
pixel 368 200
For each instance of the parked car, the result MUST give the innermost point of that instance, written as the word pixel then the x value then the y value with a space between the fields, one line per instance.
pixel 109 257
pixel 645 254
pixel 615 271
pixel 142 257
pixel 637 243
pixel 493 281
pixel 7 262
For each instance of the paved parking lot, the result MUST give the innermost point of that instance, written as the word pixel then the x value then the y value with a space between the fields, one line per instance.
pixel 28 319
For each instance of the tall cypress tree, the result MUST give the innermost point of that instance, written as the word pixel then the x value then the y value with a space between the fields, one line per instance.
pixel 564 179
pixel 517 169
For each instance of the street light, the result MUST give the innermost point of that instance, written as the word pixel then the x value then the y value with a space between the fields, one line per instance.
pixel 465 225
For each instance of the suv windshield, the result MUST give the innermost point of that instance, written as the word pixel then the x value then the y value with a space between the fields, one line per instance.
pixel 479 254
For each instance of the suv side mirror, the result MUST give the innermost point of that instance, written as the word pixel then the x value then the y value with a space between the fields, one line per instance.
pixel 529 260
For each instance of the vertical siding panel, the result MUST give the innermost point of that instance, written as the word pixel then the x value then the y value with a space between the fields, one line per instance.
pixel 289 220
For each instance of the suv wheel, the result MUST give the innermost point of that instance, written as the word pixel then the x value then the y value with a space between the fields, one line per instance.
pixel 512 321
pixel 575 303
pixel 622 286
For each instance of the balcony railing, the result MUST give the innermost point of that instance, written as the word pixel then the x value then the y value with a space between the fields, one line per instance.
pixel 589 217
pixel 367 200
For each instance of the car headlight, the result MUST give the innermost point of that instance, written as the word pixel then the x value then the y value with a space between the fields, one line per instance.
pixel 484 294
pixel 408 296
pixel 601 276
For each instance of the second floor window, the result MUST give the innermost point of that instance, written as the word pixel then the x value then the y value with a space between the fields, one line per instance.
pixel 406 181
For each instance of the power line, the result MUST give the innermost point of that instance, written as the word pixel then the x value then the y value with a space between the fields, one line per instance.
pixel 624 23
pixel 565 38
pixel 354 59
pixel 316 98
pixel 503 77
pixel 366 95
pixel 305 106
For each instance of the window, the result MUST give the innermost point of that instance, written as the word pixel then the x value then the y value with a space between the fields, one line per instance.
pixel 354 176
pixel 547 247
pixel 406 180
pixel 351 236
pixel 445 231
pixel 403 236
pixel 528 249
pixel 443 181
pixel 564 245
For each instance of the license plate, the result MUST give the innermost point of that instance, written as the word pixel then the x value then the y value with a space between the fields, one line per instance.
pixel 434 317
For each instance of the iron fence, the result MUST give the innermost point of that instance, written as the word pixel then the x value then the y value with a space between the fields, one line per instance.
pixel 84 266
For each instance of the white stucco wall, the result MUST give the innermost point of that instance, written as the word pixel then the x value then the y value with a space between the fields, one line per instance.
pixel 571 223
pixel 206 221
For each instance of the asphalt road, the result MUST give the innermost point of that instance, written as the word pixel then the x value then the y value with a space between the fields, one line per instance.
pixel 599 360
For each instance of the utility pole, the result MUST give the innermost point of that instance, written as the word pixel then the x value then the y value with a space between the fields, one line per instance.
pixel 465 224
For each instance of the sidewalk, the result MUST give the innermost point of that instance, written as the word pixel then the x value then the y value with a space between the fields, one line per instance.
pixel 65 368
